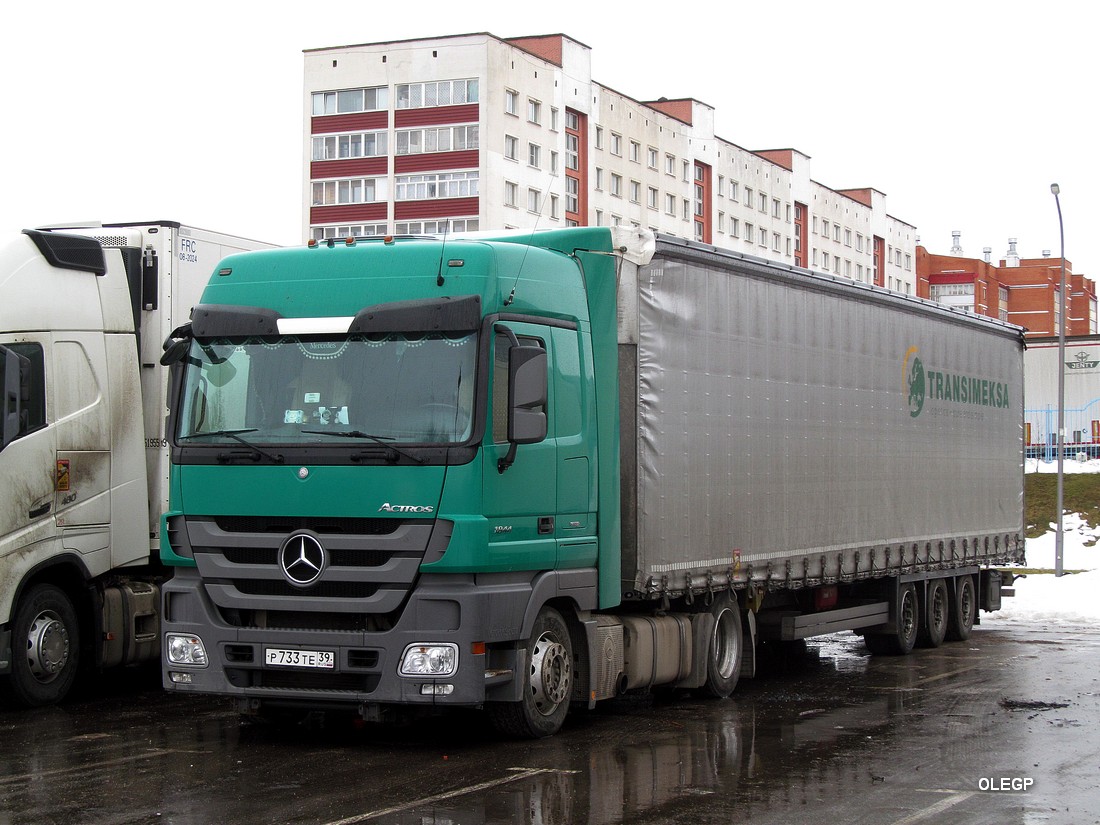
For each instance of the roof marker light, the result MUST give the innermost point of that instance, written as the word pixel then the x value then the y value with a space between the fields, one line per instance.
pixel 312 243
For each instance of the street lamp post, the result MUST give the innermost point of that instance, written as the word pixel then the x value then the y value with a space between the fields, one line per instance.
pixel 1059 536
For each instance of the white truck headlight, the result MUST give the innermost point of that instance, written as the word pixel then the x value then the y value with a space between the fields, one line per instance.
pixel 186 650
pixel 430 660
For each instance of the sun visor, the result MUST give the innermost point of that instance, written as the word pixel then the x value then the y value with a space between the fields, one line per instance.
pixel 223 321
pixel 449 314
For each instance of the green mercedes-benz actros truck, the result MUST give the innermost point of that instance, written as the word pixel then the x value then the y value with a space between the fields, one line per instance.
pixel 530 471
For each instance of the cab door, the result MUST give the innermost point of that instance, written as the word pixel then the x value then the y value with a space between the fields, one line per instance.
pixel 520 502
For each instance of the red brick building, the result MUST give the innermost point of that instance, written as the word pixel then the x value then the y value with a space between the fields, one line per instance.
pixel 1022 291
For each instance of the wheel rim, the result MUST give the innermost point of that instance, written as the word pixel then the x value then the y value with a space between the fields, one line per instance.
pixel 908 615
pixel 939 607
pixel 551 674
pixel 966 604
pixel 724 645
pixel 47 646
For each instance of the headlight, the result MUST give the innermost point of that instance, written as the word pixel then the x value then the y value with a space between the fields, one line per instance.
pixel 431 660
pixel 186 650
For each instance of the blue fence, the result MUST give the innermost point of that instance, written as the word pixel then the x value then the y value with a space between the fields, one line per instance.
pixel 1082 432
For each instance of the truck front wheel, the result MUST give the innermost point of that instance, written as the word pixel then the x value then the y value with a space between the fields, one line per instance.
pixel 45 647
pixel 547 682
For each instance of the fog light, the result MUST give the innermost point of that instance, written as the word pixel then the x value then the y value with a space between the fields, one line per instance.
pixel 436 690
pixel 429 660
pixel 180 678
pixel 186 650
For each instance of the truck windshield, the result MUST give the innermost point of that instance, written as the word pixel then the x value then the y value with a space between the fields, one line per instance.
pixel 402 388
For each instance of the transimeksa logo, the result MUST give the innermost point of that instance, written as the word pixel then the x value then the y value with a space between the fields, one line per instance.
pixel 945 391
pixel 914 381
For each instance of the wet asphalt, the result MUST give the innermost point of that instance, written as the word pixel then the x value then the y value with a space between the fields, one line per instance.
pixel 1000 729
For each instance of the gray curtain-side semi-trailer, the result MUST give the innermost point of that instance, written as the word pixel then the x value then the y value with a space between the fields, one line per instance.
pixel 822 444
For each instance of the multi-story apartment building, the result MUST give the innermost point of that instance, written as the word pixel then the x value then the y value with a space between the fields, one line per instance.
pixel 1022 291
pixel 472 131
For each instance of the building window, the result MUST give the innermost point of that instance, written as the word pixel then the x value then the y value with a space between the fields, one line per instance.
pixel 534 111
pixel 554 117
pixel 775 242
pixel 443 226
pixel 635 191
pixel 534 155
pixel 553 163
pixel 511 192
pixel 355 190
pixel 348 101
pixel 763 236
pixel 363 230
pixel 735 228
pixel 748 197
pixel 859 242
pixel 635 151
pixel 750 232
pixel 599 136
pixel 616 185
pixel 437 139
pixel 825 260
pixel 599 178
pixel 572 152
pixel 511 147
pixel 355 145
pixel 572 195
pixel 554 207
pixel 670 204
pixel 763 203
pixel 652 197
pixel 777 208
pixel 651 157
pixel 533 196
pixel 670 164
pixel 435 93
pixel 836 233
pixel 616 144
pixel 572 121
pixel 734 186
pixel 436 186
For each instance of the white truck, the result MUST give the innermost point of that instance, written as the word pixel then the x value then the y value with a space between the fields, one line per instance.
pixel 83 458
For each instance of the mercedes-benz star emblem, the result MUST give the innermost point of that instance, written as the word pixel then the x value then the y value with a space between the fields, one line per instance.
pixel 302 559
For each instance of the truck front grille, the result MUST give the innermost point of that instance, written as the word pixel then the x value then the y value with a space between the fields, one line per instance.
pixel 368 568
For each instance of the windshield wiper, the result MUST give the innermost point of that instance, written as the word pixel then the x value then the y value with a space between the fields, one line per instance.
pixel 391 451
pixel 235 435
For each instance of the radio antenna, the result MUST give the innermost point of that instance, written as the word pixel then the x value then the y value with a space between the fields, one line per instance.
pixel 439 280
pixel 538 217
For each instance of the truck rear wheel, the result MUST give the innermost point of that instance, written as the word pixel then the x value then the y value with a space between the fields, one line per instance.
pixel 547 682
pixel 725 649
pixel 901 640
pixel 45 642
pixel 964 607
pixel 933 627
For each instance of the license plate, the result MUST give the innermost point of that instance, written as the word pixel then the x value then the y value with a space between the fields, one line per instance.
pixel 279 657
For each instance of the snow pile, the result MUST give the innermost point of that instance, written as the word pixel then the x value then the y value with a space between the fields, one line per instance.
pixel 1069 465
pixel 1042 599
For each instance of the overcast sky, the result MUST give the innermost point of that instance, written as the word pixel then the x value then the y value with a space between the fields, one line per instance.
pixel 963 113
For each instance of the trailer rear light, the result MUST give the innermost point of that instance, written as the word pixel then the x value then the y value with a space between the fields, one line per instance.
pixel 186 650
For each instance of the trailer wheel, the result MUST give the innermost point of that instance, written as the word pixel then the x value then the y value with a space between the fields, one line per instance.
pixel 725 649
pixel 45 642
pixel 901 641
pixel 933 628
pixel 547 683
pixel 964 607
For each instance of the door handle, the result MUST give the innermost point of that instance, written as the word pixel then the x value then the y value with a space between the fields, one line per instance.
pixel 546 525
pixel 40 511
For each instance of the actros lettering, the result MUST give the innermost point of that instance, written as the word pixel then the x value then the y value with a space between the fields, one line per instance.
pixel 406 508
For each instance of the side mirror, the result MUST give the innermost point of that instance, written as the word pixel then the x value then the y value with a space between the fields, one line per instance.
pixel 527 378
pixel 174 352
